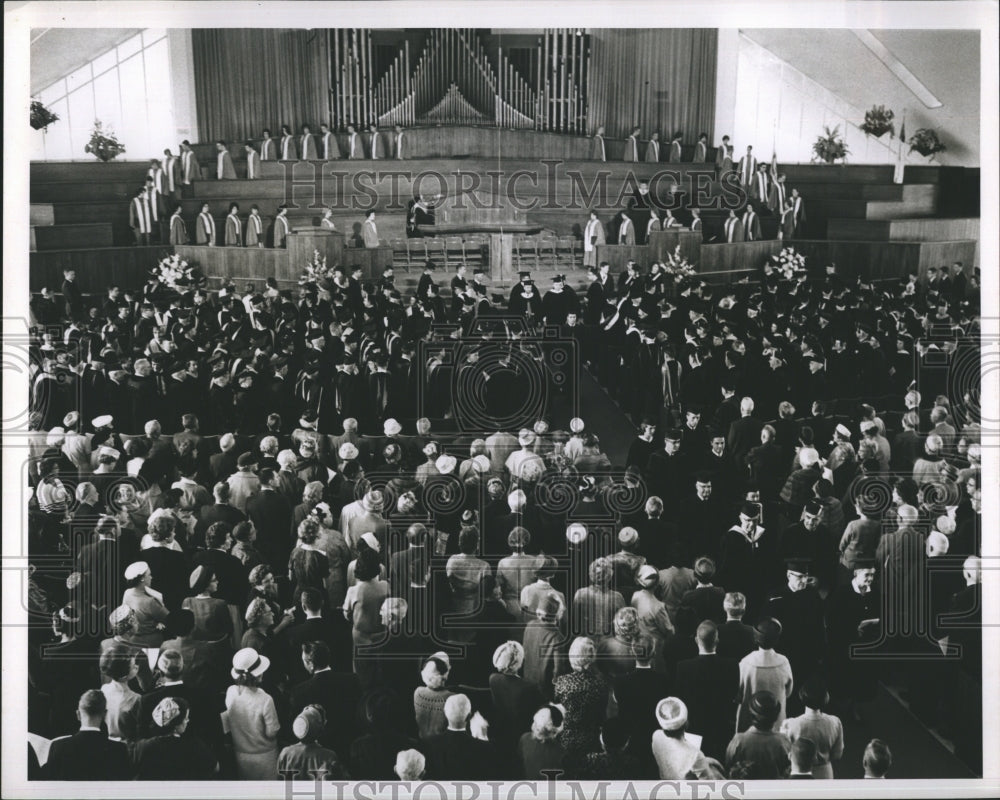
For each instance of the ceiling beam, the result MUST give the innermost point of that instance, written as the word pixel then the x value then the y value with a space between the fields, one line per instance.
pixel 897 68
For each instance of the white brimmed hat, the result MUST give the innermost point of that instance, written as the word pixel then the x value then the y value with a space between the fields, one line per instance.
pixel 249 662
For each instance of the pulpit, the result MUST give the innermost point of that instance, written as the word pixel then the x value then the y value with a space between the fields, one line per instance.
pixel 664 243
pixel 305 240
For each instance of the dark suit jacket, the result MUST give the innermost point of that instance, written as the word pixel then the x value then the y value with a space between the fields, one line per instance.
pixel 339 693
pixel 455 755
pixel 87 756
pixel 697 605
pixel 271 515
pixel 744 434
pixel 709 686
pixel 735 640
pixel 637 694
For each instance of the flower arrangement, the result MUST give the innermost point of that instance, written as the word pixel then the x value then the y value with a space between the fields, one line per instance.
pixel 878 121
pixel 41 117
pixel 677 266
pixel 831 146
pixel 925 141
pixel 175 273
pixel 788 262
pixel 316 272
pixel 103 144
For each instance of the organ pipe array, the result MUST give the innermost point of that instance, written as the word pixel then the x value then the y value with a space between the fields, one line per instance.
pixel 456 79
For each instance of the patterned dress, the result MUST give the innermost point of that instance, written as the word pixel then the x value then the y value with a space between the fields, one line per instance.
pixel 584 693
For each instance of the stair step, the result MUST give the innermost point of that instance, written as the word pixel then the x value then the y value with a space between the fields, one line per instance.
pixel 41 214
pixel 924 229
pixel 69 237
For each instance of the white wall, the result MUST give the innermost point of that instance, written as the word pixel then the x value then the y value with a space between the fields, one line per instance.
pixel 726 69
pixel 182 85
pixel 777 107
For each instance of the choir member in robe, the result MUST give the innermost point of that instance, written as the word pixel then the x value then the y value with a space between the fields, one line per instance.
pixel 675 148
pixel 632 145
pixel 327 222
pixel 354 149
pixel 140 218
pixel 397 143
pixel 307 144
pixel 724 157
pixel 328 143
pixel 281 226
pixel 172 176
pixel 653 148
pixel 178 230
pixel 268 147
pixel 253 162
pixel 701 149
pixel 369 232
pixel 234 227
pixel 287 147
pixel 223 163
pixel 593 235
pixel 205 229
pixel 597 151
pixel 190 169
pixel 255 228
pixel 374 144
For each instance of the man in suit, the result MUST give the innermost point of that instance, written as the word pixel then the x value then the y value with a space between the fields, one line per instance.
pixel 701 149
pixel 747 167
pixel 598 152
pixel 632 146
pixel 88 755
pixel 271 515
pixel 456 754
pixel 227 568
pixel 736 638
pixel 338 692
pixel 709 685
pixel 704 601
pixel 751 225
pixel 744 433
pixel 733 228
pixel 315 628
pixel 653 148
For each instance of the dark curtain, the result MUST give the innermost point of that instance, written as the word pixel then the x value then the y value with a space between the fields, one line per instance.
pixel 250 79
pixel 662 80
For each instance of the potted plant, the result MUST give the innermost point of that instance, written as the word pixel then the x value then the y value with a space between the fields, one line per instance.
pixel 878 121
pixel 41 117
pixel 103 144
pixel 925 141
pixel 830 147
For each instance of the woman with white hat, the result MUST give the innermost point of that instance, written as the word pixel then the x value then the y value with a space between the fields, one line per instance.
pixel 147 603
pixel 677 754
pixel 429 699
pixel 251 718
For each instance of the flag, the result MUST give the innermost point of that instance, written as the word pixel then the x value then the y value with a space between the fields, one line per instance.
pixel 902 132
pixel 898 173
pixel 774 165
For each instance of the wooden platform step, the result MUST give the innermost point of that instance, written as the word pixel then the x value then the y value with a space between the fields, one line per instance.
pixel 41 214
pixel 65 237
pixel 925 229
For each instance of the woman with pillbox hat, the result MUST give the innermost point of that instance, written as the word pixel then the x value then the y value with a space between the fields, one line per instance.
pixel 677 753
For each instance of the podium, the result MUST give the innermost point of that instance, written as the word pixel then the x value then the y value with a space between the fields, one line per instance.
pixel 303 241
pixel 663 243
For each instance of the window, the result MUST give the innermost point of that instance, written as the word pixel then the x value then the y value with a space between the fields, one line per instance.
pixel 127 88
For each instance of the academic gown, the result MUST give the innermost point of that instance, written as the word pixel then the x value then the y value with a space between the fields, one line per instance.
pixel 556 305
pixel 288 151
pixel 224 166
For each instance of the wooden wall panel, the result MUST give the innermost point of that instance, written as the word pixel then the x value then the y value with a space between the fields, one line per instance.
pixel 737 256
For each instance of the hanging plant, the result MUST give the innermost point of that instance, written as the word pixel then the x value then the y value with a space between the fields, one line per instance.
pixel 925 141
pixel 41 117
pixel 830 147
pixel 103 144
pixel 878 122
